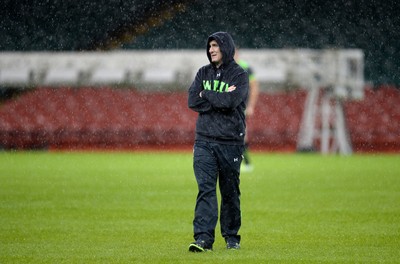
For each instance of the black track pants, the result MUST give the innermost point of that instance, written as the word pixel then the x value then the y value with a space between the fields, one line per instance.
pixel 212 162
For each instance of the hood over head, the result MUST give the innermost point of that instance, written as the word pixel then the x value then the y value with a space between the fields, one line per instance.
pixel 226 45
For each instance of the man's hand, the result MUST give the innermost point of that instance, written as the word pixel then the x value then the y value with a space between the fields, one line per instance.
pixel 231 88
pixel 249 111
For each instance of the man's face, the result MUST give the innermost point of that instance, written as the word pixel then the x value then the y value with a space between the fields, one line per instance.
pixel 215 52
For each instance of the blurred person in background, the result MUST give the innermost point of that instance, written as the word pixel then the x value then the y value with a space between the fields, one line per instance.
pixel 218 94
pixel 251 104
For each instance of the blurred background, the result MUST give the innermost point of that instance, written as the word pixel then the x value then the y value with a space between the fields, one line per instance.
pixel 114 74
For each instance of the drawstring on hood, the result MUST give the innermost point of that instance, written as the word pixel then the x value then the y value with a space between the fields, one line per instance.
pixel 226 45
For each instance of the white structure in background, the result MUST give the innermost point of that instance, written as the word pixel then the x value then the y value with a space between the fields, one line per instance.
pixel 331 76
pixel 336 76
pixel 15 76
pixel 142 69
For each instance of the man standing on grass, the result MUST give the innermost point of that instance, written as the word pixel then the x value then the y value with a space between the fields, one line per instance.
pixel 218 94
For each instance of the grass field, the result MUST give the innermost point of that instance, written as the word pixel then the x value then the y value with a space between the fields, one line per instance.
pixel 60 207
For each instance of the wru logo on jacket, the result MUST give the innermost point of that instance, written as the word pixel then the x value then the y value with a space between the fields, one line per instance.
pixel 218 86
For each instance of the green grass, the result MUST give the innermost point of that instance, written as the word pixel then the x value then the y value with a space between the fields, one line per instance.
pixel 138 208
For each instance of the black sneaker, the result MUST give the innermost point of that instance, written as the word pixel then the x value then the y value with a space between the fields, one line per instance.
pixel 232 245
pixel 199 246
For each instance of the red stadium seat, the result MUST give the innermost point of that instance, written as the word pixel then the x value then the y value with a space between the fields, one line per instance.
pixel 126 118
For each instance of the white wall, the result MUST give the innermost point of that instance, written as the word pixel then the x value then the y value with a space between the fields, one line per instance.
pixel 174 68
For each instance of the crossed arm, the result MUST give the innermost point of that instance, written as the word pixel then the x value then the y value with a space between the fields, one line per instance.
pixel 205 100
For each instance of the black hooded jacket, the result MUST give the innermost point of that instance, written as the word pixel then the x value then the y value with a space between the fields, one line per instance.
pixel 221 113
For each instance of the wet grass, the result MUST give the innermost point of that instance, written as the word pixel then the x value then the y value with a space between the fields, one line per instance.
pixel 138 208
